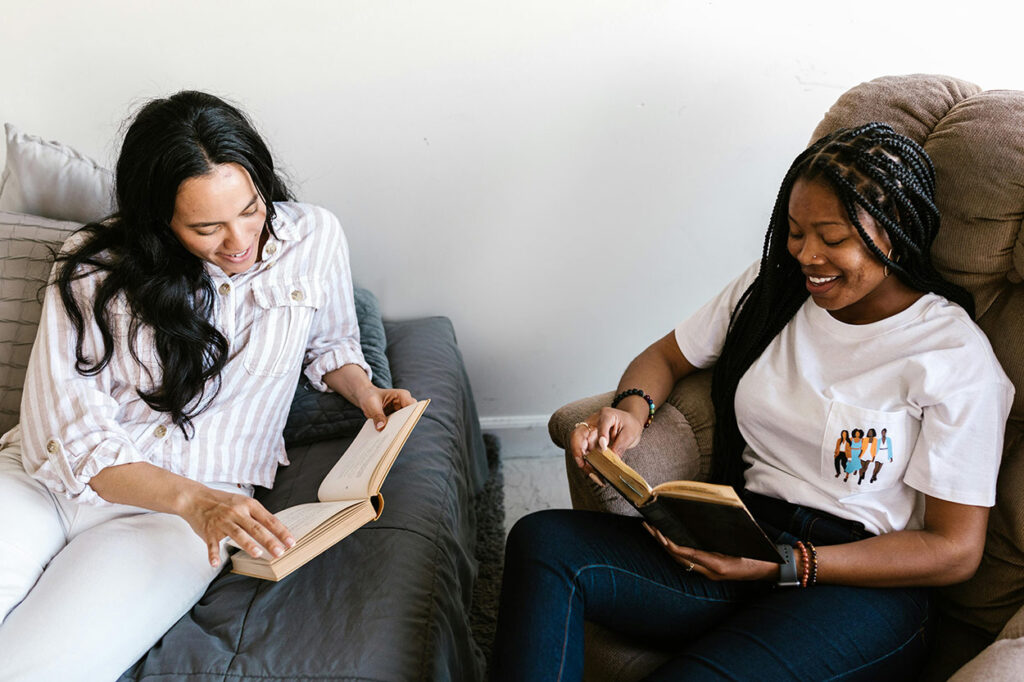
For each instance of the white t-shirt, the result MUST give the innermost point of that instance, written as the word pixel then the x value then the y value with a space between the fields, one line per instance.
pixel 926 375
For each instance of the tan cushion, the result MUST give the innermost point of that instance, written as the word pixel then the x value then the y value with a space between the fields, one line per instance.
pixel 692 397
pixel 912 105
pixel 610 657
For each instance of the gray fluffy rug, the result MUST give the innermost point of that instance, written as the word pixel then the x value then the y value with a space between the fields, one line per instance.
pixel 490 550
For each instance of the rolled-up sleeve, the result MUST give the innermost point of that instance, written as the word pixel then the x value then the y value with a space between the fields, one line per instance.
pixel 69 426
pixel 334 335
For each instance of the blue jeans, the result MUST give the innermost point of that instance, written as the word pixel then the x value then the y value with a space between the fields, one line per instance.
pixel 563 567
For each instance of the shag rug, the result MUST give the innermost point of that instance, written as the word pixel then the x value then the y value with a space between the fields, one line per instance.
pixel 490 550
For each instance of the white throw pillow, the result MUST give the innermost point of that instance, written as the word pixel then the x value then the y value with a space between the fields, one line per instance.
pixel 53 180
pixel 25 261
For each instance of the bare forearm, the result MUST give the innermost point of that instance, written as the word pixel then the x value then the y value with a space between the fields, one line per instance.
pixel 145 485
pixel 212 514
pixel 655 371
pixel 948 550
pixel 900 559
pixel 350 381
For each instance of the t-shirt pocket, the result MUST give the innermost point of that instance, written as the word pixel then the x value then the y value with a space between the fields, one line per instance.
pixel 865 450
pixel 284 314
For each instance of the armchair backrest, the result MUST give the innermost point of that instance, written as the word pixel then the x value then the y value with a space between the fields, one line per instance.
pixel 976 141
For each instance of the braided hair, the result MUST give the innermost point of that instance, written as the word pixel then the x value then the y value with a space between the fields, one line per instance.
pixel 872 169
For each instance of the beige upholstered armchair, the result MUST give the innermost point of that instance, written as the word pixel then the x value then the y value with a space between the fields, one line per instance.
pixel 976 140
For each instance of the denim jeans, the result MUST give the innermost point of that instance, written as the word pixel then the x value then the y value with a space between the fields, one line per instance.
pixel 563 567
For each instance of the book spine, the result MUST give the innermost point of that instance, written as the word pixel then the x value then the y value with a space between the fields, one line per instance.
pixel 668 524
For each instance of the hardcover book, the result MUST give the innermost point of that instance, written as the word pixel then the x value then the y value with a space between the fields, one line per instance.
pixel 349 498
pixel 694 514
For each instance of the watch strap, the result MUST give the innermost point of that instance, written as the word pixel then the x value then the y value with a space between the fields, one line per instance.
pixel 787 570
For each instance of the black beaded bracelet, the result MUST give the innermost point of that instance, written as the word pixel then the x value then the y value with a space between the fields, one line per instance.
pixel 636 391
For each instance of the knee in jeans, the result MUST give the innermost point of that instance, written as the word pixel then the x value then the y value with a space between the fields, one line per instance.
pixel 538 533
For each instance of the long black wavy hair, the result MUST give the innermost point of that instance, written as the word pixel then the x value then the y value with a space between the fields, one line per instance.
pixel 167 288
pixel 872 169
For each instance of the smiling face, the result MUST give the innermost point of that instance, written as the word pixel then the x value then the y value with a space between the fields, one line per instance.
pixel 219 217
pixel 841 274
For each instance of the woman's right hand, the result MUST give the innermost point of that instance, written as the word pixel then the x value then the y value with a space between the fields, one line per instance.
pixel 215 514
pixel 607 428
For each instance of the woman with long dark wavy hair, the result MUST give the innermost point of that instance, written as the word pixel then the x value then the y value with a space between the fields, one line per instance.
pixel 843 321
pixel 171 339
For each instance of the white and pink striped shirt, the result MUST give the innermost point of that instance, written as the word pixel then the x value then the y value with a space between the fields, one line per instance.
pixel 291 311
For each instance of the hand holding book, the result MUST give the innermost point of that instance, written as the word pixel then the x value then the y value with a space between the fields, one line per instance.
pixel 714 565
pixel 691 514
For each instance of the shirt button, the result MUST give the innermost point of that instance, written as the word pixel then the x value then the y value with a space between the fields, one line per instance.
pixel 297 295
pixel 160 431
pixel 270 249
pixel 225 288
pixel 52 447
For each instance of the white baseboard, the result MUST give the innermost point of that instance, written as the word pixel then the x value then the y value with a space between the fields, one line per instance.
pixel 524 421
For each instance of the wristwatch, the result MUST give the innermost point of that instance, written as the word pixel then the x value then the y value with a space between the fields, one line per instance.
pixel 787 570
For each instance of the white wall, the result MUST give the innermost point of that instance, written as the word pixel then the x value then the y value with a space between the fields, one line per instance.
pixel 565 179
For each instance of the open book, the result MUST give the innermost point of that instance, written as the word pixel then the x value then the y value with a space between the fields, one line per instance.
pixel 349 498
pixel 689 513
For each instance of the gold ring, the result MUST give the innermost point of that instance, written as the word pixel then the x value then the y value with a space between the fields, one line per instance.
pixel 579 424
pixel 690 565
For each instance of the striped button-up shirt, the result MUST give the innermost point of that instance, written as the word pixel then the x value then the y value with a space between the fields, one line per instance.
pixel 290 312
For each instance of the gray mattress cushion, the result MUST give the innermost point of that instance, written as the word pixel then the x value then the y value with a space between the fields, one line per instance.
pixel 390 602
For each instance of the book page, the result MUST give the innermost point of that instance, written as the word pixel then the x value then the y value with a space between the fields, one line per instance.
pixel 698 490
pixel 371 452
pixel 304 518
pixel 623 478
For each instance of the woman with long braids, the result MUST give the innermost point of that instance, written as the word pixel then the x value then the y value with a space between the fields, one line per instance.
pixel 843 321
pixel 171 340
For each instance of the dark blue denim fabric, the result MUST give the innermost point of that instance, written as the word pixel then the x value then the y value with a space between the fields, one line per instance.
pixel 563 567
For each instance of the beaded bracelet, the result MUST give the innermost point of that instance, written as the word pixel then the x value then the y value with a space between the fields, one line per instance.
pixel 806 573
pixel 636 391
pixel 814 563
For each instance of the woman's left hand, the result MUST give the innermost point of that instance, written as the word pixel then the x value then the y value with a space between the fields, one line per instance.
pixel 715 566
pixel 377 403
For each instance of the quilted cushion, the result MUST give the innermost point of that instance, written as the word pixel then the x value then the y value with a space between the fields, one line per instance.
pixel 26 251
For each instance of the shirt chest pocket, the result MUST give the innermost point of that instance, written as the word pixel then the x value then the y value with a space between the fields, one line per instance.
pixel 283 316
pixel 865 450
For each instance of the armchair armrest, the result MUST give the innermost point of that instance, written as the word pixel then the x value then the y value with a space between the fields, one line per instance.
pixel 1003 660
pixel 671 449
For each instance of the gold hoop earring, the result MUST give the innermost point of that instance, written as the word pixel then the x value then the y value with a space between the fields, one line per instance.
pixel 885 269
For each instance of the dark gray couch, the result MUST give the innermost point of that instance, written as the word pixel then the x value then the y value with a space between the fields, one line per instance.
pixel 391 601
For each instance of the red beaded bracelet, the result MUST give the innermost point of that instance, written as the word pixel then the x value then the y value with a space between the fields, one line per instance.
pixel 806 572
pixel 636 391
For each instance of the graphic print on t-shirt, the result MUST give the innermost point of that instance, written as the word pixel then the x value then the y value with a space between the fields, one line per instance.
pixel 865 450
pixel 860 453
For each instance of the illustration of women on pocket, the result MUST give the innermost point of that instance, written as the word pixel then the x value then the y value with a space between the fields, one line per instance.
pixel 853 464
pixel 868 453
pixel 842 452
pixel 884 455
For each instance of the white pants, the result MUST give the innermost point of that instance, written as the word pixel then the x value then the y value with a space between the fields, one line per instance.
pixel 84 590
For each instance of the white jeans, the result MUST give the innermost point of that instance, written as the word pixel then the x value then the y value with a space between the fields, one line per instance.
pixel 84 590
